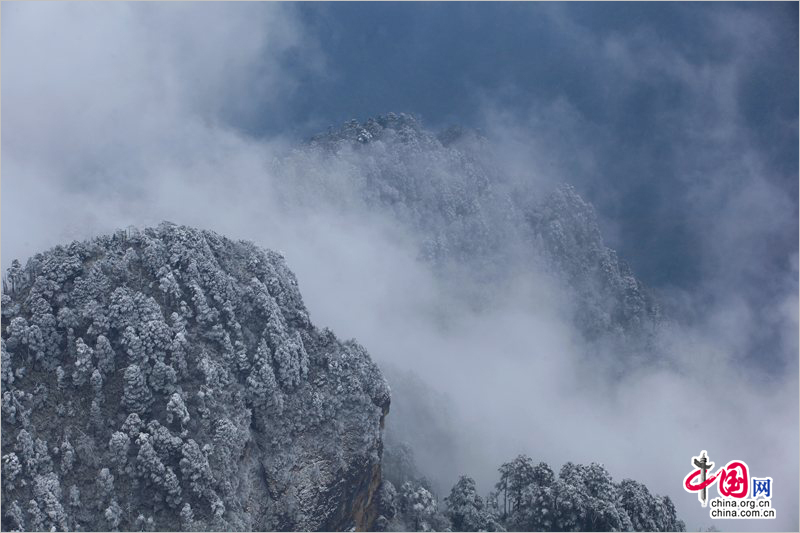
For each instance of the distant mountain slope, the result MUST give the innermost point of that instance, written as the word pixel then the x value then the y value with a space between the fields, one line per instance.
pixel 449 188
pixel 171 379
pixel 612 298
pixel 446 192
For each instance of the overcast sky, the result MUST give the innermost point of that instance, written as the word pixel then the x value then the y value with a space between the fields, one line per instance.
pixel 678 121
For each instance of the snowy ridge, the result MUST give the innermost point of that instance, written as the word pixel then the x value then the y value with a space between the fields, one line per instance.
pixel 449 189
pixel 612 298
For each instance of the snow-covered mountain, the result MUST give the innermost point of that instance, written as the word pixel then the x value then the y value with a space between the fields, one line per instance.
pixel 610 296
pixel 171 379
pixel 450 190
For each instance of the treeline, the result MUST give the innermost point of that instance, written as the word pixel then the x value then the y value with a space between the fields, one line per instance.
pixel 527 497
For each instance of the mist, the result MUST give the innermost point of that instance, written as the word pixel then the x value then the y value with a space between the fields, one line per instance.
pixel 129 114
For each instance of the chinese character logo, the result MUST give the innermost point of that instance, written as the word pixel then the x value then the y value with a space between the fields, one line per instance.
pixel 762 488
pixel 732 480
pixel 703 466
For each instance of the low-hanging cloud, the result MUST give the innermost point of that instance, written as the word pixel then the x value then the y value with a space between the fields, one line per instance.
pixel 121 114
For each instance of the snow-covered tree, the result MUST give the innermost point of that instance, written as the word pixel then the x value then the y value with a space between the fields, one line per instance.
pixel 113 514
pixel 12 468
pixel 47 492
pixel 119 444
pixel 465 508
pixel 187 518
pixel 419 507
pixel 176 409
pixel 195 468
pixel 106 359
pixel 137 396
pixel 67 456
pixel 105 482
pixel 515 477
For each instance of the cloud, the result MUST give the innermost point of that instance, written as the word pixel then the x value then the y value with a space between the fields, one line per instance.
pixel 120 114
pixel 105 103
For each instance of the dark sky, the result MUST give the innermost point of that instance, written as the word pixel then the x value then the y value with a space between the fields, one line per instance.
pixel 649 86
pixel 679 121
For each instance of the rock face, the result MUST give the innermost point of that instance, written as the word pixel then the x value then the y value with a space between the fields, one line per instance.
pixel 171 379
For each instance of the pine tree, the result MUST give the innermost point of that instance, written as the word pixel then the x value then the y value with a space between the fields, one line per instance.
pixel 119 444
pixel 106 359
pixel 177 409
pixel 465 508
pixel 137 396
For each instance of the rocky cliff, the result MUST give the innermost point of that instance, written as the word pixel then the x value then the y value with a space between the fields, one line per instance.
pixel 171 379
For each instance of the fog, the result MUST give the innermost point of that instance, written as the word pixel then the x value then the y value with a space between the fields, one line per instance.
pixel 125 114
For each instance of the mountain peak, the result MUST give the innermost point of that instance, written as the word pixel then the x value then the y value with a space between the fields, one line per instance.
pixel 613 299
pixel 402 126
pixel 181 368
